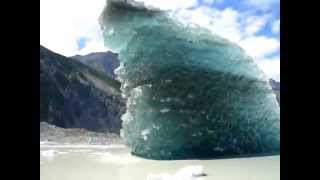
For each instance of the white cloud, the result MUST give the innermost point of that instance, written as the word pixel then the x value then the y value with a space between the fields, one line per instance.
pixel 224 23
pixel 62 22
pixel 254 24
pixel 276 26
pixel 271 67
pixel 260 46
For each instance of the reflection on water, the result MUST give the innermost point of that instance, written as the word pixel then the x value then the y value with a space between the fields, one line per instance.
pixel 116 163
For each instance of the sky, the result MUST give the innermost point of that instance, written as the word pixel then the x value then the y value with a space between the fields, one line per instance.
pixel 71 27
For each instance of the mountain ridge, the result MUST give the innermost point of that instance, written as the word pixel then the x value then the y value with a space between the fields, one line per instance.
pixel 74 95
pixel 104 62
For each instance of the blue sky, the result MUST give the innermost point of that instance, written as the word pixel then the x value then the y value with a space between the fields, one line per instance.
pixel 273 8
pixel 81 42
pixel 71 27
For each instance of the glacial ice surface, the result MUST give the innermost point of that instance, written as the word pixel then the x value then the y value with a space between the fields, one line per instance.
pixel 191 93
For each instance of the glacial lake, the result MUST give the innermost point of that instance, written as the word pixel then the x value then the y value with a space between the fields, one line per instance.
pixel 114 162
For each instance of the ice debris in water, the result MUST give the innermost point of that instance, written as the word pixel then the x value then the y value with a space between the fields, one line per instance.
pixel 48 153
pixel 217 92
pixel 194 172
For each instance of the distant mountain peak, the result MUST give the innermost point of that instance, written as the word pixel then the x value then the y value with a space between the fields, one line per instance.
pixel 96 53
pixel 274 84
pixel 74 95
pixel 104 62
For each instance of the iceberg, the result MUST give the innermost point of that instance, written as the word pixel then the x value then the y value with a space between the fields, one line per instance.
pixel 190 93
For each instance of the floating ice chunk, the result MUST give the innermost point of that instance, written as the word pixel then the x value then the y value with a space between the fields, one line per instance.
pixel 194 172
pixel 190 172
pixel 108 157
pixel 43 142
pixel 51 153
pixel 164 110
pixel 48 153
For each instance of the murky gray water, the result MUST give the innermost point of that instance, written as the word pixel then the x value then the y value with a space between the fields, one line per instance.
pixel 116 163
